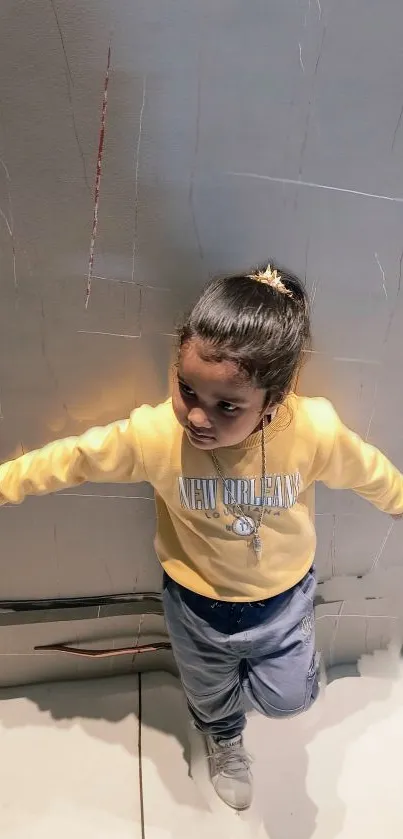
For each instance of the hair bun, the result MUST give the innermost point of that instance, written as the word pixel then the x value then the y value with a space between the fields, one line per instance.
pixel 272 278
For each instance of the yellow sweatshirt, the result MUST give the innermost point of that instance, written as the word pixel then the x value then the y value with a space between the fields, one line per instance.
pixel 195 541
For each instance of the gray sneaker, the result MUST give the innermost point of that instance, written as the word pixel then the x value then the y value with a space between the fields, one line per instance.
pixel 230 771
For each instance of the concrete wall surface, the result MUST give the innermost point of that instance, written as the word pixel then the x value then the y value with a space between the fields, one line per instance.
pixel 234 133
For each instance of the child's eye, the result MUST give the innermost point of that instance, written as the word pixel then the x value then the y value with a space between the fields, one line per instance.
pixel 185 389
pixel 228 408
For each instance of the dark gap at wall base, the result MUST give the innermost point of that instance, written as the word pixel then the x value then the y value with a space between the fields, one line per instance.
pixel 20 612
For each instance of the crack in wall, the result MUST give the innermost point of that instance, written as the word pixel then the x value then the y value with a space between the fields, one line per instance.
pixel 9 222
pixel 136 178
pixel 69 86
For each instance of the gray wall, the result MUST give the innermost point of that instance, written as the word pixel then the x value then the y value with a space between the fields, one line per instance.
pixel 235 132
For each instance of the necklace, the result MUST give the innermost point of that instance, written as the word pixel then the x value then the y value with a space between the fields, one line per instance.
pixel 244 525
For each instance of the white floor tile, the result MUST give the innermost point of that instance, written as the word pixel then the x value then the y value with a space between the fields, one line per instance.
pixel 69 765
pixel 334 773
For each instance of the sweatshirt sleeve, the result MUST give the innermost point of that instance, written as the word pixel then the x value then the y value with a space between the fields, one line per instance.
pixel 347 462
pixel 109 454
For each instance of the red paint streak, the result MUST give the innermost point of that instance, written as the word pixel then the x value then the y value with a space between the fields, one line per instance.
pixel 98 181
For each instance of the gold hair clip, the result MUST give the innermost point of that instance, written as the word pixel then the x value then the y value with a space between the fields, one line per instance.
pixel 271 278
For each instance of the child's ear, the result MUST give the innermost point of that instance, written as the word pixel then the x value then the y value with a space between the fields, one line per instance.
pixel 270 411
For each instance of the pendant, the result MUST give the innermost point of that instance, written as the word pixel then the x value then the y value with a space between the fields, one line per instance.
pixel 257 546
pixel 244 526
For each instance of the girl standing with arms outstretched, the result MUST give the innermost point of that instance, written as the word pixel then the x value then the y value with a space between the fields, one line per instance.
pixel 233 458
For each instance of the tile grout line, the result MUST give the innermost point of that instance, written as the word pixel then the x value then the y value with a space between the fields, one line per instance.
pixel 140 758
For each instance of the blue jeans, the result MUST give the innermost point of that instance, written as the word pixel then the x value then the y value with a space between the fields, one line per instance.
pixel 228 651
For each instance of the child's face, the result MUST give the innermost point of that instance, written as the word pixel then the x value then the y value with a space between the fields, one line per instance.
pixel 215 406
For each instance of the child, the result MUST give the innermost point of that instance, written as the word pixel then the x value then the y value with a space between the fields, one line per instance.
pixel 233 458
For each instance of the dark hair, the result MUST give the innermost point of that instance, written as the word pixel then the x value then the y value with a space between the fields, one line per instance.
pixel 261 325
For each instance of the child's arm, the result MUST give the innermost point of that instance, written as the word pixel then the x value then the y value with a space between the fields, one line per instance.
pixel 345 461
pixel 112 453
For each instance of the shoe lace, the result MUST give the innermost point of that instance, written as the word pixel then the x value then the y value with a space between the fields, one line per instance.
pixel 230 760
